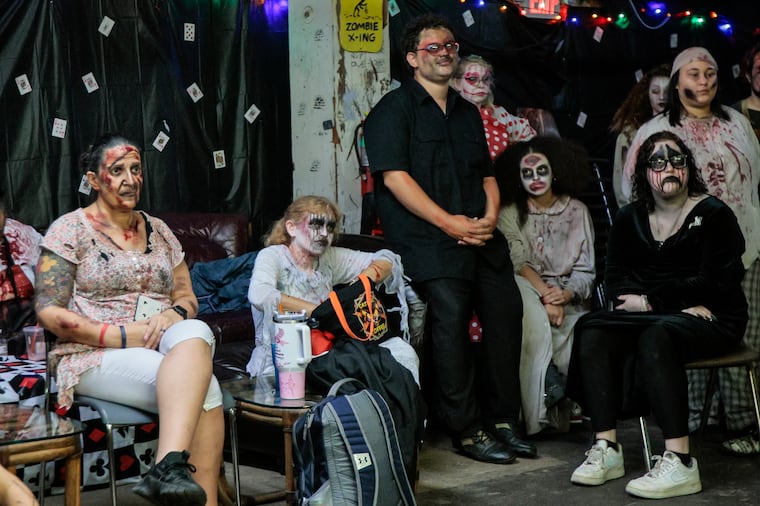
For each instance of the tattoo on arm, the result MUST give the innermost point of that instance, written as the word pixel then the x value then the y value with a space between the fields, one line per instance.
pixel 54 285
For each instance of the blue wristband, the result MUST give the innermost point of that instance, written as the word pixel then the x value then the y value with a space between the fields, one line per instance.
pixel 123 336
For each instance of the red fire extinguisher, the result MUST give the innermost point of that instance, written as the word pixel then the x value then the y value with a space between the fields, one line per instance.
pixel 370 222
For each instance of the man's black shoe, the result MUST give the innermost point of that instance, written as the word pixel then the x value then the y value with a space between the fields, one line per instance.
pixel 505 433
pixel 481 447
pixel 169 483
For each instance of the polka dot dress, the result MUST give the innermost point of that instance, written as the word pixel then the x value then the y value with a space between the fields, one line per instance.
pixel 503 129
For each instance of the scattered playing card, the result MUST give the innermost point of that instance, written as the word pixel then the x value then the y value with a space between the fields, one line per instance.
pixel 736 70
pixel 219 161
pixel 252 113
pixel 189 32
pixel 393 8
pixel 161 141
pixel 598 33
pixel 59 128
pixel 468 19
pixel 195 92
pixel 673 40
pixel 582 117
pixel 89 82
pixel 106 26
pixel 638 75
pixel 23 85
pixel 84 186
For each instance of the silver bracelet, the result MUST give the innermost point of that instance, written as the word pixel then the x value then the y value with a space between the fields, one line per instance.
pixel 644 303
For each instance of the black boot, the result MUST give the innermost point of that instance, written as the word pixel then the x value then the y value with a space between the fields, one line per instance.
pixel 169 483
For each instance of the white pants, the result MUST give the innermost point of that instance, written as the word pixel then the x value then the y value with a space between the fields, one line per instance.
pixel 128 376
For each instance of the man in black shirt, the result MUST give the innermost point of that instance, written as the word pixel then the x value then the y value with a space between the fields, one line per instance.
pixel 437 198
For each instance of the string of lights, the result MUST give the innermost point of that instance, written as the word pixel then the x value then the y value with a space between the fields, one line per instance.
pixel 651 15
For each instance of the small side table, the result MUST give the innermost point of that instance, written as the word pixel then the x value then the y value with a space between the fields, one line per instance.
pixel 29 435
pixel 256 399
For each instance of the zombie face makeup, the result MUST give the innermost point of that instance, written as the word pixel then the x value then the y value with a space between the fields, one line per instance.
pixel 658 94
pixel 697 84
pixel 475 83
pixel 314 234
pixel 668 173
pixel 536 174
pixel 120 177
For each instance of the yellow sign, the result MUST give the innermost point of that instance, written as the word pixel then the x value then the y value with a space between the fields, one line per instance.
pixel 361 25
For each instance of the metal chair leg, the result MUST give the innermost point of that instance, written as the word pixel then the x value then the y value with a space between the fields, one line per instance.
pixel 111 462
pixel 646 443
pixel 753 386
pixel 235 457
pixel 41 491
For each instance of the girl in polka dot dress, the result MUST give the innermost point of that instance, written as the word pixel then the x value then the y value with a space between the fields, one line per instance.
pixel 473 80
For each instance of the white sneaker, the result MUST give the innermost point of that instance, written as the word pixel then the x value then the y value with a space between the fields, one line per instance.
pixel 602 464
pixel 668 478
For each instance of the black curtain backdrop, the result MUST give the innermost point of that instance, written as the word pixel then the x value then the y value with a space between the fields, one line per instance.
pixel 239 58
pixel 560 67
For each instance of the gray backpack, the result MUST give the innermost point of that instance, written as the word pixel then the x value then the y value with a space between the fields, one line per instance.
pixel 346 452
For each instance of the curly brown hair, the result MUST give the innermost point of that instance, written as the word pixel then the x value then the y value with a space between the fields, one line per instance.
pixel 636 108
pixel 570 169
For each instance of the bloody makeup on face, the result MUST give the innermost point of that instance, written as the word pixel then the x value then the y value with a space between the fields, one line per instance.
pixel 536 174
pixel 666 154
pixel 121 173
pixel 476 83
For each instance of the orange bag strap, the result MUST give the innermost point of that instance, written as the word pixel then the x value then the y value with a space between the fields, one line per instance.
pixel 338 308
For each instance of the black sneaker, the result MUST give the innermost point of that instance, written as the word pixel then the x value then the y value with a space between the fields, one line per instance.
pixel 480 446
pixel 169 483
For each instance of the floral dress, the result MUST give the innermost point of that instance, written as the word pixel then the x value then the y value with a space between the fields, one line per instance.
pixel 107 283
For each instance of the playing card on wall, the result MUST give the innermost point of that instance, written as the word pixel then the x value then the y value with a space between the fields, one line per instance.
pixel 161 141
pixel 195 92
pixel 89 82
pixel 23 85
pixel 84 186
pixel 106 26
pixel 59 128
pixel 189 32
pixel 252 113
pixel 219 160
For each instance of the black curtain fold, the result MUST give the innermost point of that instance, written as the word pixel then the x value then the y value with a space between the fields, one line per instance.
pixel 143 69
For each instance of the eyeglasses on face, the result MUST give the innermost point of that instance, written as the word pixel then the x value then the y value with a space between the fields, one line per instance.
pixel 676 161
pixel 435 48
pixel 475 80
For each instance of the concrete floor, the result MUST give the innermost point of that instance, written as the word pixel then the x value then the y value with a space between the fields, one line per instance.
pixel 447 478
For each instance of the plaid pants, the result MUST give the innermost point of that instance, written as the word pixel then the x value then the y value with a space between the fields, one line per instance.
pixel 733 396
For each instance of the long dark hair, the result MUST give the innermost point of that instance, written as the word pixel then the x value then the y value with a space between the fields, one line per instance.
pixel 570 169
pixel 636 109
pixel 674 109
pixel 642 191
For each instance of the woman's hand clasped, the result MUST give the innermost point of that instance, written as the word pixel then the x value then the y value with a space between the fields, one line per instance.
pixel 157 325
pixel 633 303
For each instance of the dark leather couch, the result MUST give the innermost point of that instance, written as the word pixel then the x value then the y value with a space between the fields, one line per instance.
pixel 214 236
